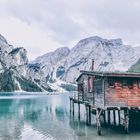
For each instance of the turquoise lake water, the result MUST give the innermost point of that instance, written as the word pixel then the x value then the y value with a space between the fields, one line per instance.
pixel 47 117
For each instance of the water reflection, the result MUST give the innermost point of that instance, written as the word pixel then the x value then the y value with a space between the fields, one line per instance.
pixel 47 117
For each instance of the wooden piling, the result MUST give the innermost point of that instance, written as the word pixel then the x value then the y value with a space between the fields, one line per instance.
pixel 98 121
pixel 114 117
pixel 108 116
pixel 89 109
pixel 79 111
pixel 87 115
pixel 106 113
pixel 126 120
pixel 70 106
pixel 73 108
pixel 119 117
pixel 104 117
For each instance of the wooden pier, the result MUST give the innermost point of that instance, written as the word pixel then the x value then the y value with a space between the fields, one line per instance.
pixel 105 113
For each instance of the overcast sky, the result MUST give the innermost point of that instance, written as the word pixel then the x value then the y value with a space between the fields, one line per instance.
pixel 44 25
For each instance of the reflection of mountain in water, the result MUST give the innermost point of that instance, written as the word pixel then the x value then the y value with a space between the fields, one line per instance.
pixel 46 117
pixel 42 114
pixel 11 121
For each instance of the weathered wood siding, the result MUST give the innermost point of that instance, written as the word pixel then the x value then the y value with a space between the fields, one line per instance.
pixel 81 88
pixel 98 92
pixel 122 96
pixel 88 96
pixel 83 93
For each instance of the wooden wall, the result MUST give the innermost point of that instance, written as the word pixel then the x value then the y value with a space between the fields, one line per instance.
pixel 83 92
pixel 122 96
pixel 98 92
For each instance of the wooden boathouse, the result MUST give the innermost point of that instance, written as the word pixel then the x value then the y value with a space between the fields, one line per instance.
pixel 107 93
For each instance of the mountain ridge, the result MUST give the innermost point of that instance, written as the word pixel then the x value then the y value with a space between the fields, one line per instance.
pixel 58 70
pixel 109 55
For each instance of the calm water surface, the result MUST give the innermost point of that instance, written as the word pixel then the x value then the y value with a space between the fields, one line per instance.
pixel 47 117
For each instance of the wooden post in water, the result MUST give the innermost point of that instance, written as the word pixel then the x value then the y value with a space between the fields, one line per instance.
pixel 114 117
pixel 104 117
pixel 126 120
pixel 70 106
pixel 119 117
pixel 79 111
pixel 98 121
pixel 73 108
pixel 87 115
pixel 108 116
pixel 89 108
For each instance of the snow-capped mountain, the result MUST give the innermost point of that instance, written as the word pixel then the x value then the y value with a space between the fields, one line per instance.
pixel 13 69
pixel 64 65
pixel 47 69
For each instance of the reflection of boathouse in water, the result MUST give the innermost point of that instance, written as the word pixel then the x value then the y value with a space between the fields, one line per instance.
pixel 106 93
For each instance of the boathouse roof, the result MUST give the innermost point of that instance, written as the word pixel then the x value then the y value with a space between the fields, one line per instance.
pixel 109 74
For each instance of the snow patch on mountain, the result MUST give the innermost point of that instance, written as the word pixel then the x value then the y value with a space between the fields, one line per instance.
pixel 64 64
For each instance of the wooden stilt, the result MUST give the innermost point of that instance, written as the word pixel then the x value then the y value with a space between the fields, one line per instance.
pixel 73 108
pixel 98 113
pixel 89 109
pixel 119 117
pixel 114 117
pixel 126 120
pixel 87 117
pixel 79 111
pixel 104 117
pixel 70 109
pixel 70 106
pixel 108 116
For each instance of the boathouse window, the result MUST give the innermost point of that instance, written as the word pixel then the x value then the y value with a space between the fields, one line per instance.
pixel 111 82
pixel 124 83
pixel 90 84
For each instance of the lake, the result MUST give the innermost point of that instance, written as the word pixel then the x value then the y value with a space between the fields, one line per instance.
pixel 47 117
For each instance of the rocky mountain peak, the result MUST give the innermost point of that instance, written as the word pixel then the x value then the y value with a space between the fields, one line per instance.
pixel 2 39
pixel 116 42
pixel 13 69
pixel 99 40
pixel 109 55
pixel 53 57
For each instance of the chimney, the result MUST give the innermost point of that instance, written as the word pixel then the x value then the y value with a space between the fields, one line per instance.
pixel 92 66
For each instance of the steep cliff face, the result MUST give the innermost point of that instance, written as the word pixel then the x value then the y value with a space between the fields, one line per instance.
pixel 49 62
pixel 47 70
pixel 109 55
pixel 13 69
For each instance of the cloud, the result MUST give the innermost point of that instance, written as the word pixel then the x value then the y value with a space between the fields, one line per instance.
pixel 21 34
pixel 43 25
